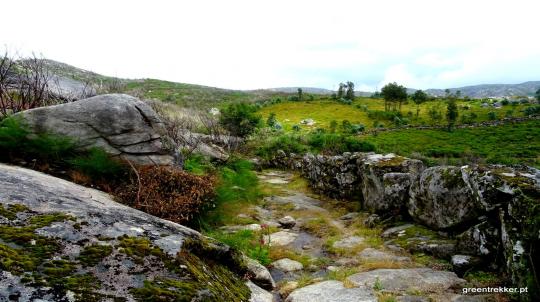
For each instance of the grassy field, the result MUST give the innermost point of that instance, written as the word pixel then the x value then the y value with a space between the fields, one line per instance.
pixel 507 144
pixel 324 111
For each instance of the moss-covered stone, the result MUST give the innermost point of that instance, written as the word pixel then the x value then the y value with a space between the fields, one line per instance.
pixel 11 211
pixel 204 281
pixel 93 254
pixel 138 248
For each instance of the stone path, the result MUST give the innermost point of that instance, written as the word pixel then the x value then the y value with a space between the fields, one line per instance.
pixel 325 257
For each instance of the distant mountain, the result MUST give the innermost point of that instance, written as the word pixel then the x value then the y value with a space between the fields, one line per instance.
pixel 492 90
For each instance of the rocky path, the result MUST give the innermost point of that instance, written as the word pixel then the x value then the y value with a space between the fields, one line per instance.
pixel 323 252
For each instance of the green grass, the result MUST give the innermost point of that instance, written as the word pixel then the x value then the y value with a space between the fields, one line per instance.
pixel 238 187
pixel 506 144
pixel 246 241
pixel 324 111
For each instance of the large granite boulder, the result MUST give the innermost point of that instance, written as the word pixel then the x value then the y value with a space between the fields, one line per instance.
pixel 64 242
pixel 335 176
pixel 120 124
pixel 385 181
pixel 445 197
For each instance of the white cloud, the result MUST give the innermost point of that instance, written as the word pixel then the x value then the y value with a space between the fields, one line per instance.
pixel 253 44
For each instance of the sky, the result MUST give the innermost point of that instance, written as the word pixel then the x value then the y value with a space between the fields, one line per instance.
pixel 262 44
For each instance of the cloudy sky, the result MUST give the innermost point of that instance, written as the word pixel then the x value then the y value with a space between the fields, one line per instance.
pixel 260 44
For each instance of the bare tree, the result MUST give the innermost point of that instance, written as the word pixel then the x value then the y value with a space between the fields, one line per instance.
pixel 24 84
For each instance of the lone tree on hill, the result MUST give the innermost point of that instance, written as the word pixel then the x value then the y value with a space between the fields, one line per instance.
pixel 393 94
pixel 240 119
pixel 538 95
pixel 418 98
pixel 349 95
pixel 300 94
pixel 341 91
pixel 451 113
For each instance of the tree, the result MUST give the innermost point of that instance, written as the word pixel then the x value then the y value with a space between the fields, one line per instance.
pixel 25 84
pixel 392 94
pixel 300 94
pixel 418 98
pixel 538 95
pixel 451 113
pixel 340 91
pixel 349 95
pixel 240 119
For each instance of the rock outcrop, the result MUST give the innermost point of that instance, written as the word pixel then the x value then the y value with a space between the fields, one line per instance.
pixel 385 182
pixel 63 242
pixel 120 124
pixel 444 197
pixel 489 213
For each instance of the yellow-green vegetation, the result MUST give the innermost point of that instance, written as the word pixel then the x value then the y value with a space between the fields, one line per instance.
pixel 505 144
pixel 138 248
pixel 342 273
pixel 93 254
pixel 365 111
pixel 386 297
pixel 249 242
pixel 277 252
pixel 318 224
pixel 12 210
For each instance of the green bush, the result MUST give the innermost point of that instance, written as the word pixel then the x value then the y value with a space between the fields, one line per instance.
pixel 287 143
pixel 16 143
pixel 337 143
pixel 15 140
pixel 240 119
pixel 532 110
pixel 97 164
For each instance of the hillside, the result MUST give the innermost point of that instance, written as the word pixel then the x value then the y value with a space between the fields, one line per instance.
pixel 493 90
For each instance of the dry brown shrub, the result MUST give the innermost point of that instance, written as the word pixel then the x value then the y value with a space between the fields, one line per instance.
pixel 168 193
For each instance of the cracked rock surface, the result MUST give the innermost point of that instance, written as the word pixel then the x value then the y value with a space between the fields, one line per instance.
pixel 120 124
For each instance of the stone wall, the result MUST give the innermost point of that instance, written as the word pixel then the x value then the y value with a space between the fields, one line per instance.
pixel 493 211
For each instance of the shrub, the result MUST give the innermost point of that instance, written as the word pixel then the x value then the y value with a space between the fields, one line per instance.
pixel 271 121
pixel 240 119
pixel 383 115
pixel 16 141
pixel 287 143
pixel 296 128
pixel 168 193
pixel 492 116
pixel 337 143
pixel 97 164
pixel 532 110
